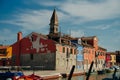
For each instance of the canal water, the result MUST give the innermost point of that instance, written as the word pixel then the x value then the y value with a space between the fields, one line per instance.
pixel 94 77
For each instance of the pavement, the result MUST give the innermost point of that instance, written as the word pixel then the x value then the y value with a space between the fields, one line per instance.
pixel 52 73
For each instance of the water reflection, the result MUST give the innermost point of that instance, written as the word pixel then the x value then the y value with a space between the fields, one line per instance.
pixel 93 77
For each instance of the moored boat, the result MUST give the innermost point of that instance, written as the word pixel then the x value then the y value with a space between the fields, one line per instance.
pixel 10 75
pixel 101 72
pixel 18 76
pixel 109 70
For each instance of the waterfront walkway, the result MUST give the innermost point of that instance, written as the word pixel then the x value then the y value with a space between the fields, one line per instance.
pixel 50 74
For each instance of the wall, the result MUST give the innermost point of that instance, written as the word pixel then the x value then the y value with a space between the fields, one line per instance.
pixel 40 61
pixel 64 62
pixel 40 48
pixel 89 56
pixel 113 59
pixel 5 56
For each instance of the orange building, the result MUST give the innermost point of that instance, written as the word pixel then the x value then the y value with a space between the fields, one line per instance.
pixel 93 52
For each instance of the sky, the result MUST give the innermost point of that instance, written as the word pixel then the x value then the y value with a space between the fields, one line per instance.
pixel 79 18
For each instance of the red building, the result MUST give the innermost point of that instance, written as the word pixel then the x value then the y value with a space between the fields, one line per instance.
pixel 34 50
pixel 108 59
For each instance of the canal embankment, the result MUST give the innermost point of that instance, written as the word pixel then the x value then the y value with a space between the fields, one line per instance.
pixel 53 74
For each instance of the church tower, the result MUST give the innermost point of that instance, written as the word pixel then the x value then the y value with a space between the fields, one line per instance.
pixel 54 23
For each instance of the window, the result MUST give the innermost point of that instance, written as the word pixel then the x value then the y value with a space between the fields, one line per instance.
pixel 3 51
pixel 63 49
pixel 32 38
pixel 114 58
pixel 74 51
pixel 67 54
pixel 56 29
pixel 71 51
pixel 31 56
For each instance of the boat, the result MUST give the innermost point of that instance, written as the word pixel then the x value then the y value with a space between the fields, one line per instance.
pixel 10 75
pixel 101 72
pixel 18 76
pixel 114 77
pixel 30 77
pixel 109 70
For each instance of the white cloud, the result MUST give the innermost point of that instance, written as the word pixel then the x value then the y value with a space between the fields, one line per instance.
pixel 93 11
pixel 33 19
pixel 73 12
pixel 77 33
pixel 100 27
pixel 105 26
pixel 85 10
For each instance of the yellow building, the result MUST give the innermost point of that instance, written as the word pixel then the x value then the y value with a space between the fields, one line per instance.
pixel 5 55
pixel 113 58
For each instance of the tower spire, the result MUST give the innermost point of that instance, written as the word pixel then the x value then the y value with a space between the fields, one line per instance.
pixel 54 23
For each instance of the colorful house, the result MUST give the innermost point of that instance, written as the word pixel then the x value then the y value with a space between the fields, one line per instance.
pixel 34 50
pixel 5 55
pixel 93 52
pixel 112 58
pixel 108 59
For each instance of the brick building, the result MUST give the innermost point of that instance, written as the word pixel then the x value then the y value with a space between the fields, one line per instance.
pixel 93 52
pixel 34 50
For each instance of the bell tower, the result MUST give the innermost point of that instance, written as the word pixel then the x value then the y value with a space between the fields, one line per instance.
pixel 54 23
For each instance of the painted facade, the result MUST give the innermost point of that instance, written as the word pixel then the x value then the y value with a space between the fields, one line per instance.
pixel 34 50
pixel 112 58
pixel 5 55
pixel 100 58
pixel 65 57
pixel 108 58
pixel 89 56
pixel 93 52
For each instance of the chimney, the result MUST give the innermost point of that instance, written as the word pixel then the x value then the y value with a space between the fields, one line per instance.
pixel 19 36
